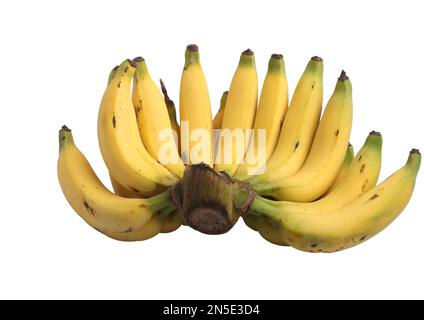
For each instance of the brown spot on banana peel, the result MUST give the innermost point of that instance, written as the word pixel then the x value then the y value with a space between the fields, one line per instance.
pixel 313 245
pixel 364 185
pixel 374 196
pixel 119 84
pixel 134 189
pixel 362 238
pixel 126 70
pixel 114 121
pixel 362 168
pixel 337 132
pixel 142 206
pixel 360 158
pixel 128 230
pixel 89 209
pixel 296 146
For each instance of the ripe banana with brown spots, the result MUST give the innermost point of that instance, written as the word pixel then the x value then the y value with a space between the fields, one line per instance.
pixel 348 226
pixel 100 208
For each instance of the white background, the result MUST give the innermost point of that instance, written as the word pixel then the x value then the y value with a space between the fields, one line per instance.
pixel 55 59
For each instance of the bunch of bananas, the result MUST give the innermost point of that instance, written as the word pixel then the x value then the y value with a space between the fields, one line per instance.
pixel 299 184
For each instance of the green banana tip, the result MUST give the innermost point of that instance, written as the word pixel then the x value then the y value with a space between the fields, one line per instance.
pixel 191 55
pixel 247 58
pixel 276 63
pixel 65 135
pixel 375 138
pixel 343 76
pixel 414 160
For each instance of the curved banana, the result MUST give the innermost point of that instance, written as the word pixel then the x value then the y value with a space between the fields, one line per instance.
pixel 99 207
pixel 348 226
pixel 327 152
pixel 195 111
pixel 217 120
pixel 151 229
pixel 153 120
pixel 122 149
pixel 299 125
pixel 269 117
pixel 350 154
pixel 239 114
pixel 360 177
pixel 172 114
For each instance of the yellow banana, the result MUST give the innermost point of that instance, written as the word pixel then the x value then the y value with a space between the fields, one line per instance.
pixel 360 177
pixel 217 120
pixel 269 117
pixel 195 111
pixel 327 152
pixel 299 125
pixel 172 114
pixel 239 114
pixel 123 192
pixel 343 170
pixel 122 149
pixel 153 120
pixel 151 229
pixel 348 226
pixel 99 207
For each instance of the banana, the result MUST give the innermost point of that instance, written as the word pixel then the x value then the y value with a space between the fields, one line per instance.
pixel 269 117
pixel 99 207
pixel 239 114
pixel 172 114
pixel 151 229
pixel 195 111
pixel 350 154
pixel 299 125
pixel 348 226
pixel 153 120
pixel 122 149
pixel 327 152
pixel 174 221
pixel 217 120
pixel 123 192
pixel 360 177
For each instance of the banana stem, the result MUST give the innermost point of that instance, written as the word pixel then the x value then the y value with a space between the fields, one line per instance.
pixel 211 201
